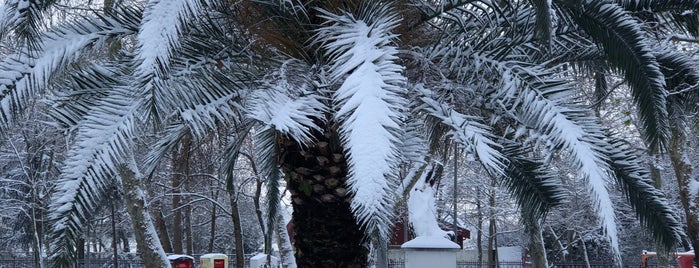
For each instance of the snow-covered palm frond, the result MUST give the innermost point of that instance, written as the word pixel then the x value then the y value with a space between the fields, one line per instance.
pixel 541 102
pixel 414 146
pixel 681 14
pixel 624 42
pixel 7 17
pixel 207 98
pixel 649 203
pixel 87 87
pixel 469 131
pixel 25 18
pixel 536 189
pixel 369 103
pixel 158 38
pixel 207 101
pixel 103 140
pixel 23 76
pixel 289 105
pixel 682 81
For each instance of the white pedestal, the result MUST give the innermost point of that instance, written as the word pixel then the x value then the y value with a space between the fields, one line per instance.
pixel 430 251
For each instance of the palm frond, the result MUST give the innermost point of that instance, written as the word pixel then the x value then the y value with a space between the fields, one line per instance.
pixel 680 13
pixel 649 203
pixel 627 50
pixel 158 37
pixel 25 18
pixel 682 81
pixel 290 115
pixel 535 188
pixel 103 140
pixel 23 76
pixel 536 98
pixel 87 88
pixel 369 104
pixel 232 151
pixel 207 101
pixel 467 130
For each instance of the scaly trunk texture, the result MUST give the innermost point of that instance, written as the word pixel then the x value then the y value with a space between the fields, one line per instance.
pixel 325 231
pixel 148 244
pixel 690 201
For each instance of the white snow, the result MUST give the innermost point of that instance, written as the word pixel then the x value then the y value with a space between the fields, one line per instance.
pixel 430 242
pixel 159 31
pixel 369 108
pixel 213 255
pixel 177 257
pixel 422 211
pixel 693 189
pixel 468 131
pixel 285 114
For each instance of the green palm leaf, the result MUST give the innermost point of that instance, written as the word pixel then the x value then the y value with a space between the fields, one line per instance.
pixel 680 13
pixel 648 202
pixel 625 46
pixel 536 189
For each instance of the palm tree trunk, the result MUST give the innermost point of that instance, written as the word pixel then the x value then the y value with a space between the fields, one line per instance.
pixel 325 231
pixel 683 172
pixel 148 244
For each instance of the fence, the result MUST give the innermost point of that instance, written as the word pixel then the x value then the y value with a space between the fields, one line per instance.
pixel 92 263
pixel 89 263
pixel 399 263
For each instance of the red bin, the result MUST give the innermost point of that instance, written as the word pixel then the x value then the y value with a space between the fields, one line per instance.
pixel 181 261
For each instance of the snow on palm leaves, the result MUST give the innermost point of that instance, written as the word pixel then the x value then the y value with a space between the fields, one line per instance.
pixel 368 104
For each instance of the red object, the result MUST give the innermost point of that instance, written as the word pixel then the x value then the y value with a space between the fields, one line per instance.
pixel 685 261
pixel 182 263
pixel 219 264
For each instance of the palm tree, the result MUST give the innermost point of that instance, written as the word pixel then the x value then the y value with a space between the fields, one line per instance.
pixel 337 95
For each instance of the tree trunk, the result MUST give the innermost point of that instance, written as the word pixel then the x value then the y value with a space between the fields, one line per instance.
pixel 537 251
pixel 663 255
pixel 285 249
pixel 690 200
pixel 148 244
pixel 114 237
pixel 325 231
pixel 237 230
pixel 479 234
pixel 161 229
pixel 180 163
pixel 584 250
pixel 212 231
pixel 188 230
pixel 492 229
